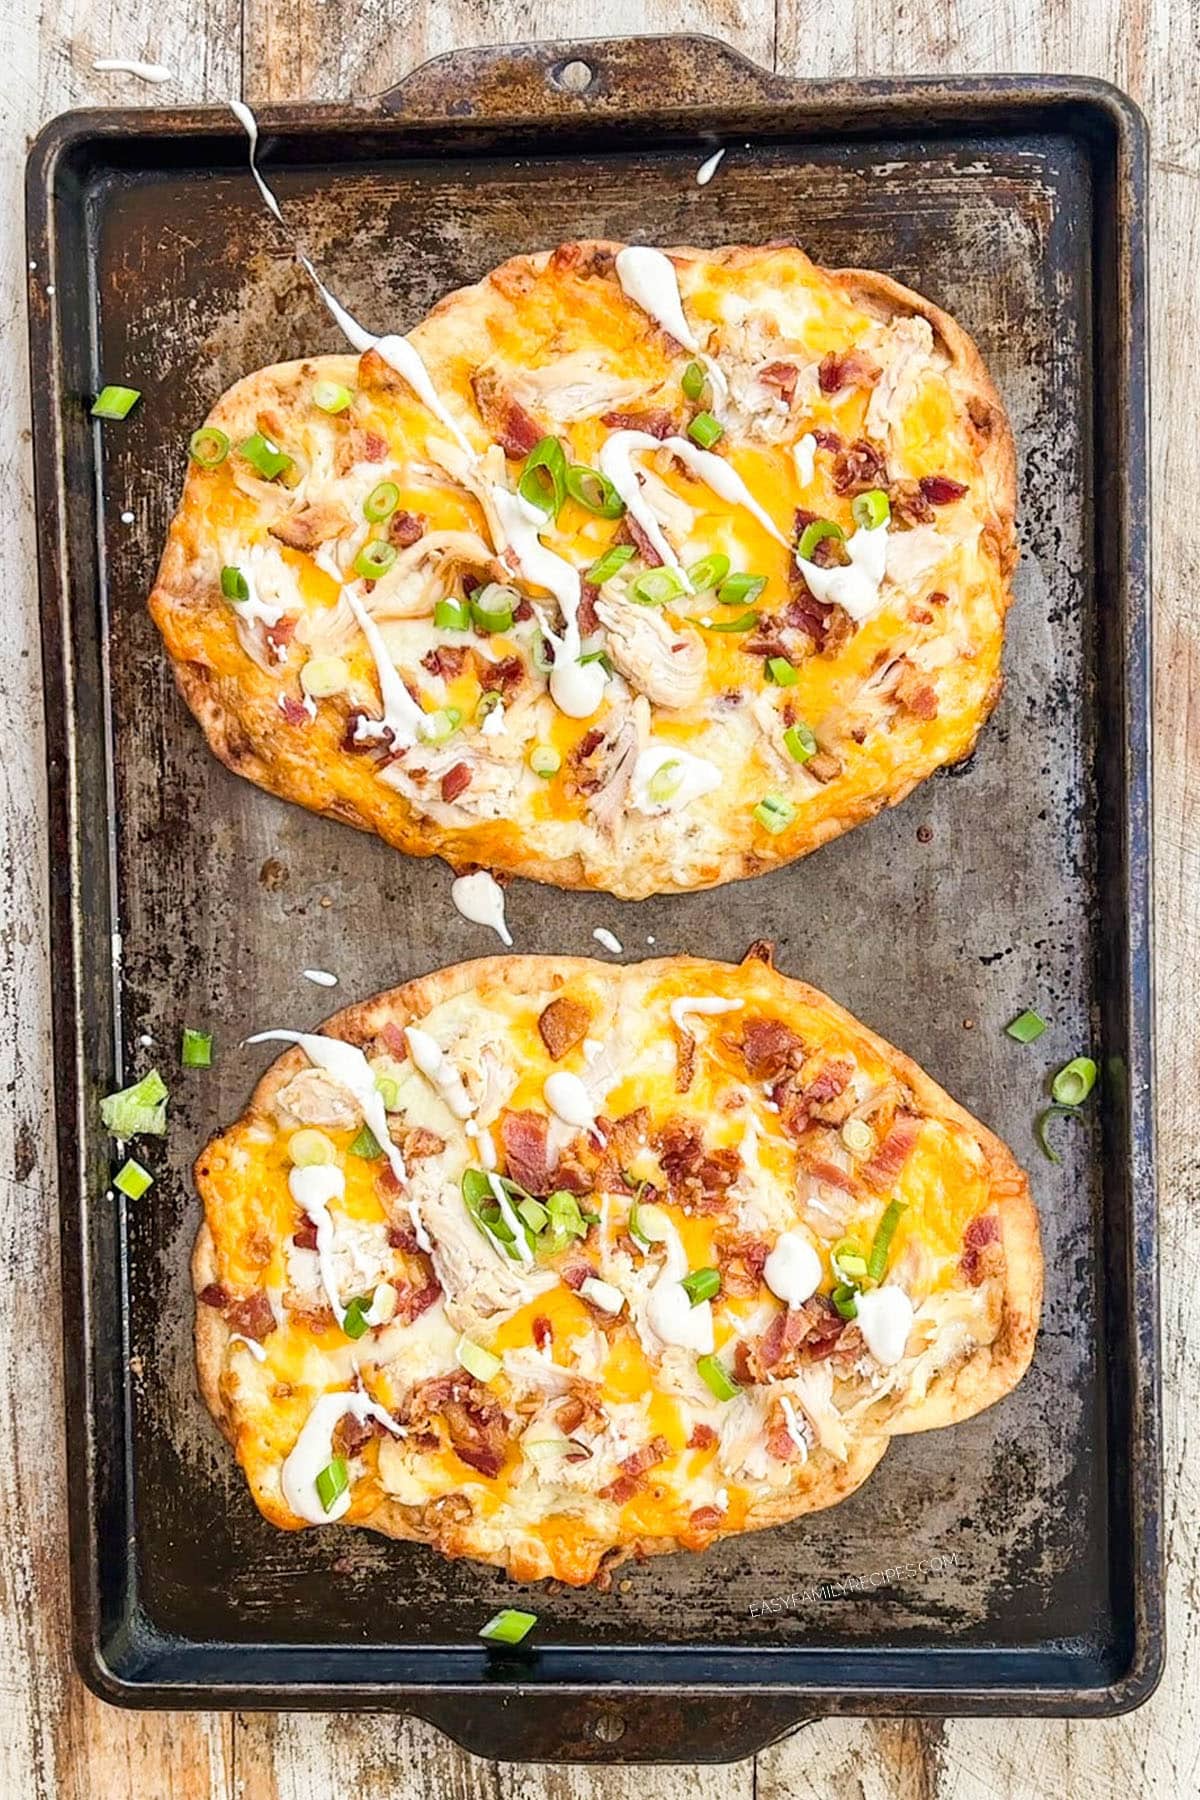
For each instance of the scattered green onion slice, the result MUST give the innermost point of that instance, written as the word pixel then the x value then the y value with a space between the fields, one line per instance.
pixel 543 480
pixel 705 430
pixel 476 1360
pixel 115 402
pixel 693 380
pixel 610 564
pixel 782 672
pixel 774 813
pixel 1042 1121
pixel 648 1223
pixel 331 396
pixel 598 656
pixel 593 491
pixel 744 622
pixel 657 587
pixel 849 1260
pixel 374 559
pixel 332 1482
pixel 264 456
pixel 801 744
pixel 545 1449
pixel 452 615
pixel 132 1179
pixel 492 607
pixel 740 589
pixel 1026 1027
pixel 195 1050
pixel 488 702
pixel 816 533
pixel 355 1323
pixel 858 1137
pixel 545 760
pixel 538 656
pixel 208 447
pixel 366 1145
pixel 701 1284
pixel 437 726
pixel 323 676
pixel 881 1243
pixel 234 585
pixel 141 1108
pixel 389 1091
pixel 566 1221
pixel 309 1147
pixel 717 1379
pixel 870 509
pixel 381 502
pixel 1074 1081
pixel 533 1213
pixel 709 572
pixel 509 1626
pixel 845 1298
pixel 666 781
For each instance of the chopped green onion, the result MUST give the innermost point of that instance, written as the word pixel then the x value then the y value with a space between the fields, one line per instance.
pixel 608 565
pixel 816 533
pixel 870 509
pixel 437 726
pixel 545 1449
pixel 381 502
pixel 545 760
pixel 308 1147
pixel 648 1223
pixel 801 743
pixel 594 491
pixel 481 1203
pixel 845 1298
pixel 567 1221
pixel 355 1323
pixel 332 1482
pixel 717 1379
pixel 508 1626
pixel 701 1284
pixel 543 480
pixel 389 1091
pixel 323 676
pixel 657 587
pixel 331 396
pixel 1026 1027
pixel 476 1360
pixel 858 1137
pixel 666 781
pixel 195 1051
pixel 234 585
pixel 488 702
pixel 132 1179
pixel 693 380
pixel 881 1243
pixel 264 456
pixel 492 607
pixel 208 447
pixel 744 622
pixel 366 1145
pixel 1041 1122
pixel 705 430
pixel 740 589
pixel 848 1260
pixel 452 615
pixel 598 656
pixel 141 1108
pixel 782 672
pixel 1074 1082
pixel 709 572
pixel 774 813
pixel 538 654
pixel 115 402
pixel 374 559
pixel 533 1213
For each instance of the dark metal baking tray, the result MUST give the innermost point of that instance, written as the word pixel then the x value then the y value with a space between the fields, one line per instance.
pixel 1021 879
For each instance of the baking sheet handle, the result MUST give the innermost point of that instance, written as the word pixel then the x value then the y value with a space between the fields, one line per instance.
pixel 619 1724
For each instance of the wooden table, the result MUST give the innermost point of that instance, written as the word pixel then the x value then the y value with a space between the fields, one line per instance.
pixel 56 1741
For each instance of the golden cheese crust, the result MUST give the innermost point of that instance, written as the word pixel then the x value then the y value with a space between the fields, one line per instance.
pixel 739 725
pixel 536 1387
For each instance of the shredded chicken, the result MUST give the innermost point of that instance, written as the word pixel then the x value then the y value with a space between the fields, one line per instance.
pixel 907 350
pixel 607 806
pixel 667 665
pixel 314 1097
pixel 577 386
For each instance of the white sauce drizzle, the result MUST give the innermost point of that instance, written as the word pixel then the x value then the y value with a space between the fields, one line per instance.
pixel 484 1143
pixel 432 1061
pixel 608 939
pixel 714 471
pixel 569 1100
pixel 576 688
pixel 402 717
pixel 254 610
pixel 804 455
pixel 142 71
pixel 672 1318
pixel 697 777
pixel 249 125
pixel 885 1317
pixel 312 1189
pixel 313 1451
pixel 480 898
pixel 256 1350
pixel 708 169
pixel 509 1215
pixel 493 722
pixel 648 278
pixel 322 977
pixel 855 586
pixel 705 1005
pixel 793 1269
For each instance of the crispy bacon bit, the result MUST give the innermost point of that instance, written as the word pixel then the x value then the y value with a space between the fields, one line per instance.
pixel 500 677
pixel 761 950
pixel 937 598
pixel 685 1060
pixel 821 1169
pixel 630 532
pixel 802 1334
pixel 543 1332
pixel 647 1457
pixel 403 1237
pixel 847 368
pixel 769 1046
pixel 892 1154
pixel 707 1518
pixel 828 440
pixel 350 1435
pixel 909 505
pixel 703 1437
pixel 939 490
pixel 419 1141
pixel 313 1319
pixel 782 376
pixel 445 660
pixel 305 1235
pixel 386 1184
pixel 475 1423
pixel 374 447
pixel 514 429
pixel 620 1490
pixel 309 526
pixel 741 1258
pixel 832 1080
pixel 412 1301
pixel 780 1442
pixel 824 766
pixel 587 616
pixel 656 422
pixel 859 468
pixel 916 693
pixel 456 781
pixel 697 1177
pixel 563 1024
pixel 406 528
pixel 213 1294
pixel 393 1036
pixel 575 1274
pixel 524 1136
pixel 294 711
pixel 981 1248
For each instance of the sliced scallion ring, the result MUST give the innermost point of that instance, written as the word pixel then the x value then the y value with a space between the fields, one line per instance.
pixel 801 744
pixel 666 781
pixel 538 647
pixel 709 572
pixel 264 457
pixel 331 396
pixel 1026 1027
pixel 593 491
pixel 381 502
pixel 389 1092
pixel 132 1180
pixel 705 430
pixel 881 1243
pixel 858 1137
pixel 546 1449
pixel 437 726
pixel 1042 1121
pixel 744 622
pixel 816 533
pixel 543 482
pixel 610 564
pixel 476 1360
pixel 208 447
pixel 533 1213
pixel 545 760
pixel 355 1323
pixel 1074 1081
pixel 717 1379
pixel 332 1482
pixel 374 559
pixel 693 381
pixel 115 402
pixel 740 589
pixel 845 1298
pixel 701 1284
pixel 657 587
pixel 870 509
pixel 195 1049
pixel 309 1148
pixel 774 813
pixel 323 676
pixel 452 615
pixel 509 1626
pixel 848 1260
pixel 234 585
pixel 492 607
pixel 782 672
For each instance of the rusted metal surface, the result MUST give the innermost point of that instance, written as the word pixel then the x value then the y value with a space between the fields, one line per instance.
pixel 1018 880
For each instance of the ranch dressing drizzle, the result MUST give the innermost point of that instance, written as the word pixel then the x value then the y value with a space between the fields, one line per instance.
pixel 715 472
pixel 312 1189
pixel 142 71
pixel 569 1100
pixel 431 1060
pixel 256 1350
pixel 885 1317
pixel 708 169
pixel 648 278
pixel 249 125
pixel 576 688
pixel 508 1214
pixel 856 586
pixel 313 1451
pixel 401 714
pixel 480 898
pixel 702 1005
